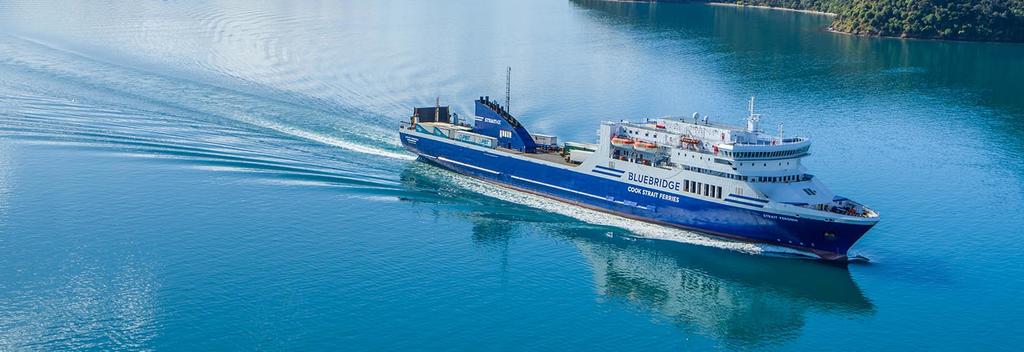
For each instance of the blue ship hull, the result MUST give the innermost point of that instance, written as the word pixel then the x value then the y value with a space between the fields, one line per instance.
pixel 628 200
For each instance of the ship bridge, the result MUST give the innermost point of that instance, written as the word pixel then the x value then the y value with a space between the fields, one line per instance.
pixel 766 149
pixel 723 141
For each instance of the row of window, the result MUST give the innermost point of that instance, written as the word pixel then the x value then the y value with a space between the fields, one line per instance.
pixel 768 179
pixel 702 188
pixel 727 162
pixel 762 164
pixel 646 134
pixel 715 173
pixel 764 179
pixel 777 154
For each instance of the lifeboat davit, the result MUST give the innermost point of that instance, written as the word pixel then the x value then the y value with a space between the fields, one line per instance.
pixel 644 146
pixel 621 141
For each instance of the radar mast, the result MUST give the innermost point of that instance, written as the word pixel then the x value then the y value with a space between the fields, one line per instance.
pixel 753 118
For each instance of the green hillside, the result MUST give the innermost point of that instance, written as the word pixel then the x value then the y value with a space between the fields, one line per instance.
pixel 986 20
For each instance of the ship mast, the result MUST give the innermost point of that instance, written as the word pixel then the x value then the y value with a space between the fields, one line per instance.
pixel 753 118
pixel 508 88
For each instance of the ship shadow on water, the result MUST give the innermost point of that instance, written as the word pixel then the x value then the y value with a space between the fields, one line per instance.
pixel 740 299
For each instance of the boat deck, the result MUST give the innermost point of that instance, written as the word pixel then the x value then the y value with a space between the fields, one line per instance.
pixel 552 157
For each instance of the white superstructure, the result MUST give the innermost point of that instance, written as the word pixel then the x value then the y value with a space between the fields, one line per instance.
pixel 716 161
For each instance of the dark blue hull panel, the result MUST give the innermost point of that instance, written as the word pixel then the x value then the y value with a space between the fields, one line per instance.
pixel 647 204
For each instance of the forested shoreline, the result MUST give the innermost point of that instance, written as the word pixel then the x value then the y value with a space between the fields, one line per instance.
pixel 975 20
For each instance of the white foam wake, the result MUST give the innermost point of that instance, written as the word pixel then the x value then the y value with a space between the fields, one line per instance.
pixel 337 142
pixel 639 228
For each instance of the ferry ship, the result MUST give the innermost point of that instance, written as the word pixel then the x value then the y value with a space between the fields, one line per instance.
pixel 736 182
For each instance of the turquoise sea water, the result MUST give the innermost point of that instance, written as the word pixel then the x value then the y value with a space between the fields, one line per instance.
pixel 212 176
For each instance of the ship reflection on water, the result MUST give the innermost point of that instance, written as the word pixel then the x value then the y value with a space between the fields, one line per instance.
pixel 740 299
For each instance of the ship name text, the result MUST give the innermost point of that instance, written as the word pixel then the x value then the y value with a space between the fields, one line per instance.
pixel 654 181
pixel 488 120
pixel 650 193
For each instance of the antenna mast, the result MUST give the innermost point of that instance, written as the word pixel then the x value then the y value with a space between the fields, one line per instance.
pixel 508 88
pixel 753 118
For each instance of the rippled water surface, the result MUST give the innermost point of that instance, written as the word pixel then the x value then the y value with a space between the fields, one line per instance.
pixel 208 176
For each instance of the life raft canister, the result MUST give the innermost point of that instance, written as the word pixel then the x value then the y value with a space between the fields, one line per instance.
pixel 689 140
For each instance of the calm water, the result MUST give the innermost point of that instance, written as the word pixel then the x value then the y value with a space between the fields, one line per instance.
pixel 193 176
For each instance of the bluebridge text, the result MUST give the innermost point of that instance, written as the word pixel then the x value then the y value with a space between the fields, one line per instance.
pixel 654 181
